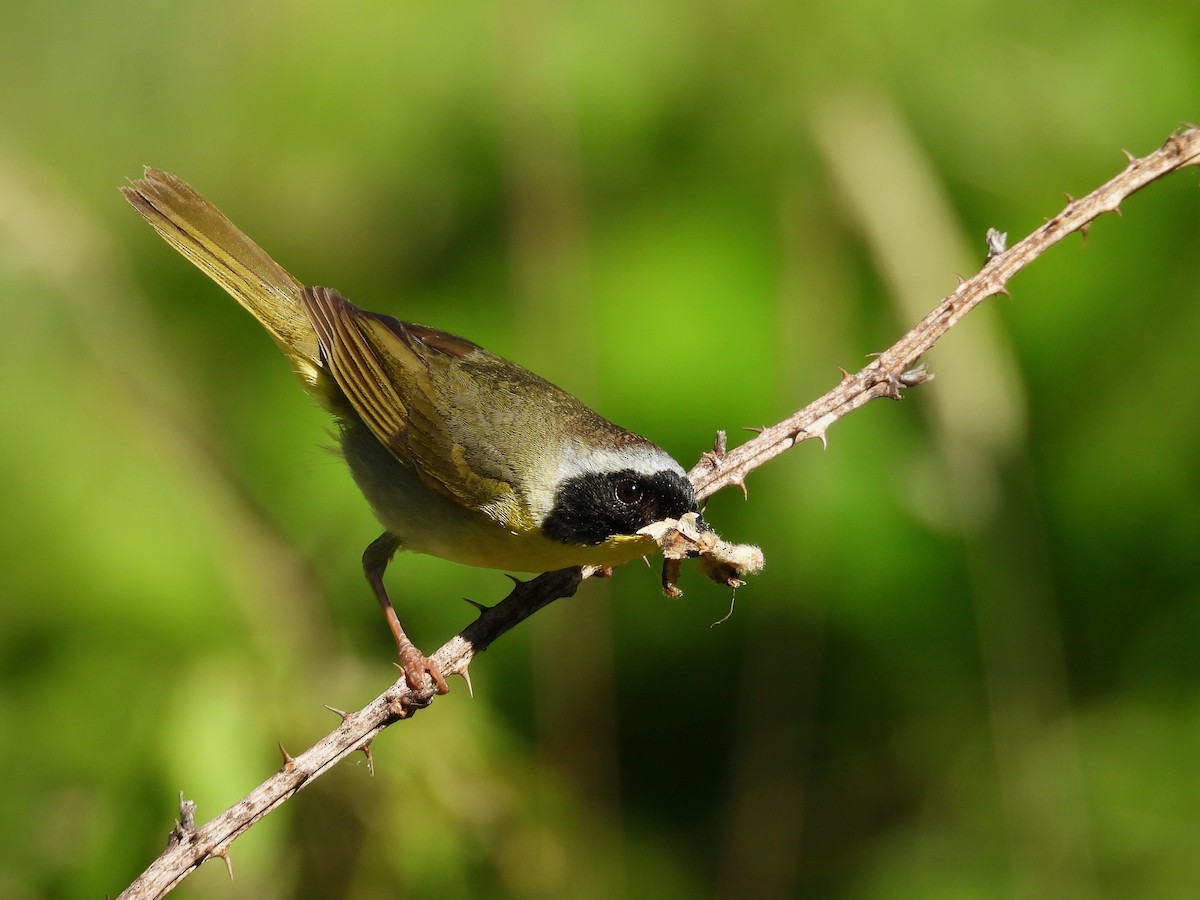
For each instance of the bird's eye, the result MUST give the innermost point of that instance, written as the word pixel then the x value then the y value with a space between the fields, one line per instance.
pixel 628 491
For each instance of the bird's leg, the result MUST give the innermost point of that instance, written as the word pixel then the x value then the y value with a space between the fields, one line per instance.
pixel 415 664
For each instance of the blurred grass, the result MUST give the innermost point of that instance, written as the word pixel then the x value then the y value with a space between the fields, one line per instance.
pixel 969 669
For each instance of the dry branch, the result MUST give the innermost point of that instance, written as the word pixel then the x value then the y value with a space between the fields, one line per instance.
pixel 886 376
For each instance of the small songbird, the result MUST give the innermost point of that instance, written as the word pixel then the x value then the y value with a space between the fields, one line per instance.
pixel 460 453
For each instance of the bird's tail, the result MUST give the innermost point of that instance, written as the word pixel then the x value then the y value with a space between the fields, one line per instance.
pixel 216 246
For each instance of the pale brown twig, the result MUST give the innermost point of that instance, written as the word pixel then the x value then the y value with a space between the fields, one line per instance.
pixel 889 372
pixel 886 376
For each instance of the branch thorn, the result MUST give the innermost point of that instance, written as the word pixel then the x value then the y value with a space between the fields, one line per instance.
pixel 289 762
pixel 366 750
pixel 338 712
pixel 223 853
pixel 482 607
pixel 465 674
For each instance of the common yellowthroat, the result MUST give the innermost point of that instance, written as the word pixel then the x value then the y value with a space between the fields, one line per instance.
pixel 460 453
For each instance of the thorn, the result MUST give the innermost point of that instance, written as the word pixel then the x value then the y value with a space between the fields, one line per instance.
pixel 1002 291
pixel 719 444
pixel 513 578
pixel 820 435
pixel 338 712
pixel 646 560
pixel 1117 210
pixel 465 674
pixel 846 376
pixel 366 749
pixel 1129 157
pixel 223 853
pixel 479 606
pixel 757 429
pixel 741 482
pixel 959 279
pixel 289 762
pixel 1070 197
pixel 1083 232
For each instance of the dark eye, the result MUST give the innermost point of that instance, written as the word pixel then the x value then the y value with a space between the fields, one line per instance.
pixel 629 491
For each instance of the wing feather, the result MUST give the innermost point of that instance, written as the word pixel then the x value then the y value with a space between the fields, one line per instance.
pixel 387 371
pixel 354 365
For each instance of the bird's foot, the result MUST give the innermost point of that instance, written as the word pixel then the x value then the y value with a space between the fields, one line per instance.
pixel 417 665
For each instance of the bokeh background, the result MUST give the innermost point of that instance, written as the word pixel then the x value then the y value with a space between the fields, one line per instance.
pixel 970 669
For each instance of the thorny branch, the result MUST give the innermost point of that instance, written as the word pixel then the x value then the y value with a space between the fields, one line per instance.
pixel 887 375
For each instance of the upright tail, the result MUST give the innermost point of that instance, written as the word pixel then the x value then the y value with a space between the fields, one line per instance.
pixel 216 246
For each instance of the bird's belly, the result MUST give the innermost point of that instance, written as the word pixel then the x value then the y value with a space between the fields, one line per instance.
pixel 489 545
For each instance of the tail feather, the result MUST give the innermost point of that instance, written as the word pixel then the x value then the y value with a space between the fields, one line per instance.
pixel 202 234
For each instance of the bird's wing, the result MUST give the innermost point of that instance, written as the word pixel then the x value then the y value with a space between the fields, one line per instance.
pixel 384 368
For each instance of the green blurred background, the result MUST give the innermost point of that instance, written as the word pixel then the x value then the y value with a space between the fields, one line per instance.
pixel 970 667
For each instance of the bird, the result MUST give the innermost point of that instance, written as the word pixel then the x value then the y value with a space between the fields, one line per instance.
pixel 460 453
